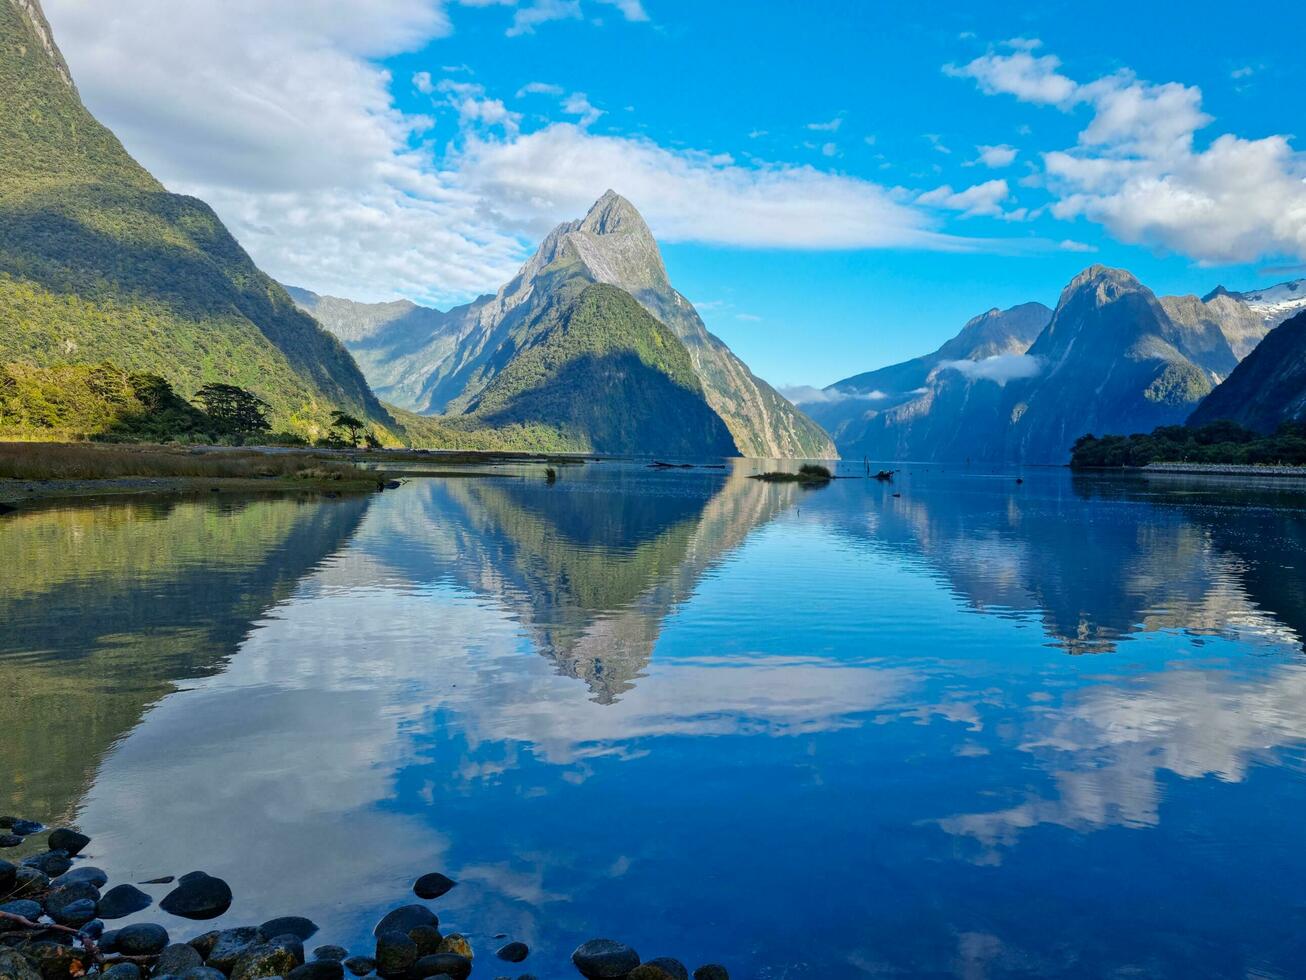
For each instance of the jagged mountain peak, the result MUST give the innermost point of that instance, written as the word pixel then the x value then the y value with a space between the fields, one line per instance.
pixel 613 214
pixel 1104 283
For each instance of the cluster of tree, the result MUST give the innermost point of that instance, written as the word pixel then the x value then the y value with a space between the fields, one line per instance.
pixel 1216 442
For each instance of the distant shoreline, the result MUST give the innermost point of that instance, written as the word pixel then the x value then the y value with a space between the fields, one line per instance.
pixel 1225 469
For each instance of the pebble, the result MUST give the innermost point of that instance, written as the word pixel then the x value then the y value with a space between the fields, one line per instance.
pixel 405 918
pixel 318 970
pixel 513 952
pixel 141 939
pixel 604 959
pixel 395 953
pixel 177 959
pixel 432 885
pixel 360 966
pixel 289 925
pixel 455 966
pixel 271 959
pixel 121 901
pixel 65 839
pixel 198 896
pixel 88 874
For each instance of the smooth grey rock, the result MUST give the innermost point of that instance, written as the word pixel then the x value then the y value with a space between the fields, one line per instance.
pixel 428 939
pixel 28 881
pixel 450 964
pixel 197 896
pixel 86 873
pixel 318 970
pixel 395 953
pixel 24 907
pixel 406 917
pixel 122 971
pixel 289 925
pixel 50 863
pixel 230 945
pixel 178 958
pixel 141 939
pixel 121 901
pixel 66 839
pixel 337 953
pixel 432 885
pixel 360 966
pixel 65 895
pixel 513 952
pixel 75 914
pixel 275 958
pixel 604 959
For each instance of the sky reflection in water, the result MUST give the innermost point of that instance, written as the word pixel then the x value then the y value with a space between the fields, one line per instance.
pixel 980 729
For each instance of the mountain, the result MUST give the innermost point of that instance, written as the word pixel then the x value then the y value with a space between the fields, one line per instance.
pixel 1269 387
pixel 432 362
pixel 1109 359
pixel 98 262
pixel 847 407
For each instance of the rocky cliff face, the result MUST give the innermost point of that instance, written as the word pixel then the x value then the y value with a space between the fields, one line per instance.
pixel 1268 388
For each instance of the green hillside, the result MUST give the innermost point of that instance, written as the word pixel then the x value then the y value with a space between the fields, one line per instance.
pixel 98 263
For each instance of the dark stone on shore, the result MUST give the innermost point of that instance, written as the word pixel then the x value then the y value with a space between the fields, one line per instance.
pixel 165 880
pixel 318 970
pixel 360 966
pixel 395 953
pixel 30 880
pixel 122 971
pixel 275 958
pixel 406 918
pixel 88 874
pixel 8 876
pixel 393 485
pixel 177 959
pixel 198 896
pixel 662 968
pixel 55 961
pixel 94 929
pixel 141 939
pixel 66 839
pixel 50 863
pixel 455 966
pixel 23 828
pixel 203 973
pixel 10 840
pixel 604 959
pixel 121 901
pixel 13 966
pixel 228 946
pixel 337 953
pixel 456 942
pixel 428 939
pixel 711 971
pixel 513 952
pixel 75 914
pixel 204 943
pixel 24 907
pixel 433 885
pixel 65 895
pixel 289 925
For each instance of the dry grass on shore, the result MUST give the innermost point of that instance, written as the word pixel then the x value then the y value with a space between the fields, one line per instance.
pixel 91 461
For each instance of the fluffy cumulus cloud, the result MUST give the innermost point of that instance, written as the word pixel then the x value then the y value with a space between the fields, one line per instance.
pixel 1138 169
pixel 999 368
pixel 283 117
pixel 807 395
pixel 979 199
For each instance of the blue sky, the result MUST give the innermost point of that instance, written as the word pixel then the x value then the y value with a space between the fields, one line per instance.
pixel 817 172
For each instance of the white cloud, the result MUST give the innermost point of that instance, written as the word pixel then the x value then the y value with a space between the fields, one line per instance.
pixel 423 83
pixel 1069 245
pixel 979 199
pixel 578 104
pixel 829 149
pixel 807 395
pixel 999 368
pixel 532 182
pixel 632 10
pixel 827 127
pixel 1136 169
pixel 997 156
pixel 539 88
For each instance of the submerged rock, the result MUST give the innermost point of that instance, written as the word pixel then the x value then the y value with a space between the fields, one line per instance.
pixel 289 925
pixel 604 959
pixel 712 971
pixel 121 901
pixel 10 840
pixel 141 939
pixel 23 828
pixel 432 885
pixel 198 896
pixel 513 952
pixel 65 839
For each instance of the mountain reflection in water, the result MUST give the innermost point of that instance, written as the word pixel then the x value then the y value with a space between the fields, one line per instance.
pixel 810 734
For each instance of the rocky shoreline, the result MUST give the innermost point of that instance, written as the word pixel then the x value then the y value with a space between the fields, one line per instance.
pixel 53 910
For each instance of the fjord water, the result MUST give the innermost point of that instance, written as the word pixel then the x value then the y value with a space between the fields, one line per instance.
pixel 980 729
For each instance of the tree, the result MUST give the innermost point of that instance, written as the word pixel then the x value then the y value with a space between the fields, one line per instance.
pixel 233 408
pixel 340 420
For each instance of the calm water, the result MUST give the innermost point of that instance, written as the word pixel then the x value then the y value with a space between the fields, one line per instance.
pixel 979 729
